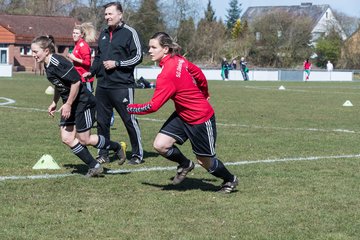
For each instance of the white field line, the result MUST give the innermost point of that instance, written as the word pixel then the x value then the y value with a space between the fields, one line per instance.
pixel 219 124
pixel 282 128
pixel 151 169
pixel 272 88
pixel 7 101
pixel 48 176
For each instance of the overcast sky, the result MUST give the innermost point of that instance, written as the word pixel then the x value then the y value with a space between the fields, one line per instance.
pixel 350 7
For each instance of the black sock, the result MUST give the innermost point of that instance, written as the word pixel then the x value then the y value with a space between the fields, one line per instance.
pixel 218 169
pixel 106 144
pixel 174 154
pixel 83 153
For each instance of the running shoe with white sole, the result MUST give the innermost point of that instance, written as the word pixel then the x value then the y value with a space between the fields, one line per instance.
pixel 95 172
pixel 228 187
pixel 182 172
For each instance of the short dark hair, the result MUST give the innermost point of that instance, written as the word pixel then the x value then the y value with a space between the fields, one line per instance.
pixel 116 4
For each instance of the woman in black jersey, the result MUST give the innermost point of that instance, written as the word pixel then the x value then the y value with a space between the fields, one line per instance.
pixel 78 108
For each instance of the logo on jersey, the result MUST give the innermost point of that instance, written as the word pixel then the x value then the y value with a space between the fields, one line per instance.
pixel 178 68
pixel 125 100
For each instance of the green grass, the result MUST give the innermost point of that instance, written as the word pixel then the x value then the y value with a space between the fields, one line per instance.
pixel 256 121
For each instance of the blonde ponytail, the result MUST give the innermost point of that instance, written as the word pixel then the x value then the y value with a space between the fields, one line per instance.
pixel 88 30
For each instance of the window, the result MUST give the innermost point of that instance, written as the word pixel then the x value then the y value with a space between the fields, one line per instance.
pixel 25 51
pixel 4 55
pixel 258 36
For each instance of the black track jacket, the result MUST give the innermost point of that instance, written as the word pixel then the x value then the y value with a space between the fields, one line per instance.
pixel 124 47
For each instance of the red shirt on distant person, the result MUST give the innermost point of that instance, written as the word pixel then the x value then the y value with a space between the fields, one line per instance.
pixel 82 51
pixel 307 65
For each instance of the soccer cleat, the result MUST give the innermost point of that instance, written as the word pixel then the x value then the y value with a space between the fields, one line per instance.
pixel 95 172
pixel 120 153
pixel 228 187
pixel 182 172
pixel 135 160
pixel 103 159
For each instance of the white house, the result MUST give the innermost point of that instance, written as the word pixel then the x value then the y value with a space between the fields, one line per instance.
pixel 323 19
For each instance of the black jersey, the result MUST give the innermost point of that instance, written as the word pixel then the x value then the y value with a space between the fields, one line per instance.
pixel 61 73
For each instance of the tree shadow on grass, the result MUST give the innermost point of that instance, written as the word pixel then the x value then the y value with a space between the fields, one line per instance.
pixel 188 184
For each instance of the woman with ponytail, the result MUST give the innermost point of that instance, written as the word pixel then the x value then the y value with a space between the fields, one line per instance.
pixel 81 53
pixel 78 106
pixel 194 118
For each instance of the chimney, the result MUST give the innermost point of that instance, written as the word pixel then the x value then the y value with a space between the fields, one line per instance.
pixel 306 4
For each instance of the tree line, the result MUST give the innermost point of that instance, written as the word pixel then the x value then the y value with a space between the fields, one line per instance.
pixel 206 38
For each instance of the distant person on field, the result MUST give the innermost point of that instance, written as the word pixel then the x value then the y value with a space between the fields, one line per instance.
pixel 329 66
pixel 194 118
pixel 233 64
pixel 81 53
pixel 78 105
pixel 225 69
pixel 307 68
pixel 244 69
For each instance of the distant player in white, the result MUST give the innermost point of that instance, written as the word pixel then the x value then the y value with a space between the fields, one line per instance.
pixel 329 66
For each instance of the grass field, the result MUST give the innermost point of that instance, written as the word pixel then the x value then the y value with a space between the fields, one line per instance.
pixel 295 151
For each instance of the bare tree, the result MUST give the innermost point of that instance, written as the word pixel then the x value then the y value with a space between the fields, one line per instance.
pixel 209 41
pixel 350 52
pixel 348 23
pixel 177 12
pixel 39 7
pixel 240 43
pixel 148 20
pixel 186 36
pixel 282 40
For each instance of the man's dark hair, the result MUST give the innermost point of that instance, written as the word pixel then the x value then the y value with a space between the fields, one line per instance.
pixel 116 4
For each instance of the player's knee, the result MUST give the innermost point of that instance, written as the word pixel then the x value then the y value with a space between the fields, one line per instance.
pixel 67 141
pixel 204 162
pixel 84 141
pixel 157 146
pixel 160 147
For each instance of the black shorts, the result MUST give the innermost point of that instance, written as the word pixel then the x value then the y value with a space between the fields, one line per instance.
pixel 82 116
pixel 202 136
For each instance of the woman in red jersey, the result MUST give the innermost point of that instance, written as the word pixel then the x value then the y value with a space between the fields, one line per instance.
pixel 194 118
pixel 81 54
pixel 307 68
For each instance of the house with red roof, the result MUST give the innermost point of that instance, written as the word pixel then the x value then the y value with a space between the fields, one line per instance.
pixel 17 32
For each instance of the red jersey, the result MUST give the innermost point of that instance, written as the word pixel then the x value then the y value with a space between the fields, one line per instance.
pixel 185 84
pixel 307 65
pixel 82 51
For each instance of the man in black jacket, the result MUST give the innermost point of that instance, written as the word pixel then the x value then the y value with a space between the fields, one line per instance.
pixel 119 51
